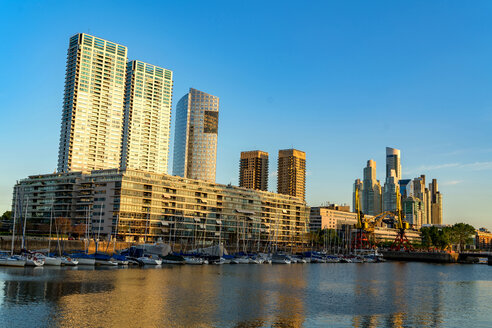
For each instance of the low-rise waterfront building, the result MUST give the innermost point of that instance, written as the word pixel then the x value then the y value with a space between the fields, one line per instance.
pixel 146 207
pixel 331 217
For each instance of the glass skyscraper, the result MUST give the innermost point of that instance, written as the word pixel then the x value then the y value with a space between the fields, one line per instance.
pixel 92 116
pixel 195 139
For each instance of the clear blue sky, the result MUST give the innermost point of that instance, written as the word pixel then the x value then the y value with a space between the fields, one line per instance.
pixel 340 80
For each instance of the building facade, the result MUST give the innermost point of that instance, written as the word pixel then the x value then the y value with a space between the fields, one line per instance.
pixel 390 192
pixel 371 195
pixel 145 207
pixel 393 162
pixel 147 120
pixel 253 170
pixel 436 203
pixel 92 115
pixel 327 217
pixel 195 139
pixel 291 174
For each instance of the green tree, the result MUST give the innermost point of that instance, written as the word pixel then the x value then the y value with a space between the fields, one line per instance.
pixel 7 216
pixel 461 234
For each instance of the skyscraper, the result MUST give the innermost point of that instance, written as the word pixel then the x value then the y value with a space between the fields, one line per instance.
pixel 147 118
pixel 253 170
pixel 371 190
pixel 292 173
pixel 436 203
pixel 390 192
pixel 195 138
pixel 358 185
pixel 393 162
pixel 92 115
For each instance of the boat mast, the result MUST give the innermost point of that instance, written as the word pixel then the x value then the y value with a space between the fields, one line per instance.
pixel 24 228
pixel 51 223
pixel 99 227
pixel 13 225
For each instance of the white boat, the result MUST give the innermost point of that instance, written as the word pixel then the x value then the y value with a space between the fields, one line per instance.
pixel 86 261
pixel 67 261
pixel 106 263
pixel 240 260
pixel 11 261
pixel 49 260
pixel 193 260
pixel 149 260
pixel 220 261
pixel 31 260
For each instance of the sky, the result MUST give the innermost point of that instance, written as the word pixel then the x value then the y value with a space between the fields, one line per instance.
pixel 340 80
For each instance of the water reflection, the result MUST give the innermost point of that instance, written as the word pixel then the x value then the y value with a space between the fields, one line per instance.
pixel 334 295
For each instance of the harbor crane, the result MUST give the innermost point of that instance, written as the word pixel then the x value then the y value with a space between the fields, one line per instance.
pixel 362 227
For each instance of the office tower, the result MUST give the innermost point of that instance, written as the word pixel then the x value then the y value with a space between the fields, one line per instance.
pixel 292 173
pixel 436 203
pixel 253 170
pixel 393 162
pixel 421 193
pixel 413 208
pixel 371 190
pixel 358 185
pixel 147 119
pixel 195 138
pixel 390 192
pixel 92 116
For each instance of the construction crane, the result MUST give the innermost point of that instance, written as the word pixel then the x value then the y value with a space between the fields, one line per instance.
pixel 360 241
pixel 401 240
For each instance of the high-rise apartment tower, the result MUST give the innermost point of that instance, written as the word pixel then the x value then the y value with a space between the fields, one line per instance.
pixel 253 170
pixel 195 138
pixel 292 173
pixel 92 115
pixel 147 117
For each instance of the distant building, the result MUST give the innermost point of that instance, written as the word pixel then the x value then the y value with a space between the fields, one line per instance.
pixel 292 173
pixel 358 185
pixel 147 121
pixel 393 162
pixel 92 115
pixel 413 209
pixel 390 192
pixel 371 195
pixel 195 138
pixel 253 170
pixel 436 203
pixel 483 239
pixel 322 217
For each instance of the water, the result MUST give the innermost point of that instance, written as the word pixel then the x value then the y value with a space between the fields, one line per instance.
pixel 298 295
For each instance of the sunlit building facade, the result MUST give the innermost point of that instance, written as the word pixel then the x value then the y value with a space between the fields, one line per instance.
pixel 147 120
pixel 146 207
pixel 291 174
pixel 253 170
pixel 92 115
pixel 195 139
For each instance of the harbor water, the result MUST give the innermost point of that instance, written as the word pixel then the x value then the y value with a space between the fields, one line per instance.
pixel 391 294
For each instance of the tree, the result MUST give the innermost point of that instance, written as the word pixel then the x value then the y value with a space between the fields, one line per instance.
pixel 7 216
pixel 461 234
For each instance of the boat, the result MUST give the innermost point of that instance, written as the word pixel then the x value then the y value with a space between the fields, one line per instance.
pixel 220 261
pixel 104 260
pixel 173 259
pixel 193 260
pixel 49 260
pixel 11 261
pixel 84 259
pixel 68 261
pixel 240 260
pixel 280 259
pixel 30 260
pixel 120 259
pixel 149 260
